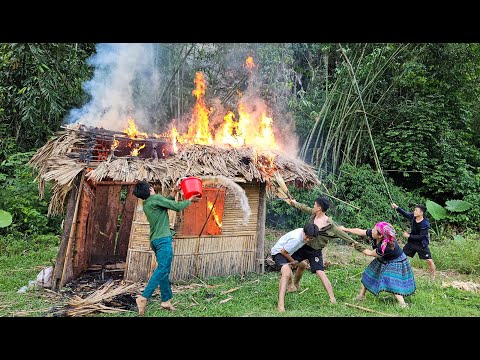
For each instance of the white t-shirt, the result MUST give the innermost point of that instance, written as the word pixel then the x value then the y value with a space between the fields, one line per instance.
pixel 291 242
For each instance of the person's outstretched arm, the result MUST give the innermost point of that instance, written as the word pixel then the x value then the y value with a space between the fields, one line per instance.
pixel 370 253
pixel 342 234
pixel 165 202
pixel 360 232
pixel 355 231
pixel 300 206
pixel 408 215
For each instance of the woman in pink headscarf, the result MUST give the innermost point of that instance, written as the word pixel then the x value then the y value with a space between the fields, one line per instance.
pixel 390 270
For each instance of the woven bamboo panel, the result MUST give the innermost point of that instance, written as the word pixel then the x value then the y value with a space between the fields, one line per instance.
pixel 212 256
pixel 184 257
pixel 139 265
pixel 140 238
pixel 200 257
pixel 232 222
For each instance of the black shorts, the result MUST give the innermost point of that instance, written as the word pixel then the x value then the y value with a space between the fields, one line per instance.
pixel 313 256
pixel 410 249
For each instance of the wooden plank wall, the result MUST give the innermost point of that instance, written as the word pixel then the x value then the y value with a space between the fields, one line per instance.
pixel 82 251
pixel 107 208
pixel 96 237
pixel 233 252
pixel 196 214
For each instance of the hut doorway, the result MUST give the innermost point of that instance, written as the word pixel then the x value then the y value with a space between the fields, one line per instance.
pixel 100 230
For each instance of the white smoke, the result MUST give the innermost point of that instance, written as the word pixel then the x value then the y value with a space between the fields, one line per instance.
pixel 125 83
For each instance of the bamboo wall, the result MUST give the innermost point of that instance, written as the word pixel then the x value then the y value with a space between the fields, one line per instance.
pixel 232 252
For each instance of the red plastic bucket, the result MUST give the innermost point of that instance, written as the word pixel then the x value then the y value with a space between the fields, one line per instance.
pixel 191 186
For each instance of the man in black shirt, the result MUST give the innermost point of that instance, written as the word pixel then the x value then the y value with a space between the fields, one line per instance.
pixel 418 238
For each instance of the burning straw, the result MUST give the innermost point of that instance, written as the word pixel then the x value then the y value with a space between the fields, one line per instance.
pixel 282 190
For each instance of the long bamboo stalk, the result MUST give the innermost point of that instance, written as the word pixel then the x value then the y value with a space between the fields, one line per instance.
pixel 377 162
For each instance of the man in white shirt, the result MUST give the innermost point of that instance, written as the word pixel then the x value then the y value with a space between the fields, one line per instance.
pixel 289 252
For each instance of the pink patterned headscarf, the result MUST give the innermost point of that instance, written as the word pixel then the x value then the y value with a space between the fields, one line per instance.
pixel 388 233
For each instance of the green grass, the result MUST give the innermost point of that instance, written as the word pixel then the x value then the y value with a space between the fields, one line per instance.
pixel 256 295
pixel 15 272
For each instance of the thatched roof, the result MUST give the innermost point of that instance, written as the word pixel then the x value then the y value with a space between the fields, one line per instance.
pixel 62 158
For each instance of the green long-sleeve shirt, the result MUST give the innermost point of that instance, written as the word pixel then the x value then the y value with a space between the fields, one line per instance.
pixel 329 231
pixel 156 209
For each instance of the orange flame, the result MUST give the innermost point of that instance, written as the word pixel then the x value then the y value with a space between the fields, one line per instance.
pixel 114 144
pixel 214 214
pixel 135 151
pixel 226 133
pixel 250 129
pixel 174 135
pixel 198 129
pixel 133 132
pixel 251 125
pixel 249 64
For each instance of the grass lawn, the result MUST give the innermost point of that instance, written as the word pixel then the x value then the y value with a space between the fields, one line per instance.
pixel 255 295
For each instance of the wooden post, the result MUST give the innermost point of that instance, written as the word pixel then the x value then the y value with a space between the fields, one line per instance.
pixel 262 216
pixel 68 230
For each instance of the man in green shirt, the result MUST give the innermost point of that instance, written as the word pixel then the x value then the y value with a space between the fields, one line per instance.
pixel 156 208
pixel 328 230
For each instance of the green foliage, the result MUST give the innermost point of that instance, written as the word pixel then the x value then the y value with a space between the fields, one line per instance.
pixel 437 211
pixel 456 214
pixel 19 196
pixel 5 218
pixel 430 131
pixel 17 244
pixel 8 145
pixel 364 188
pixel 457 205
pixel 281 215
pixel 458 238
pixel 462 254
pixel 39 84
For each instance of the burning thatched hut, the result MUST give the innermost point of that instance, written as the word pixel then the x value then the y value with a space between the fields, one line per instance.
pixel 94 171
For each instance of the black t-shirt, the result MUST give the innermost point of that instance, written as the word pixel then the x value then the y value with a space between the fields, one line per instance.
pixel 389 254
pixel 418 231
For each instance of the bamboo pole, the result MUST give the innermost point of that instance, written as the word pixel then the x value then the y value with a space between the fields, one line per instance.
pixel 369 310
pixel 261 218
pixel 62 251
pixel 72 232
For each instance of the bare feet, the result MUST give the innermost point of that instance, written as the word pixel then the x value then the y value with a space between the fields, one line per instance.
pixel 333 300
pixel 141 304
pixel 360 297
pixel 403 305
pixel 292 288
pixel 281 308
pixel 167 305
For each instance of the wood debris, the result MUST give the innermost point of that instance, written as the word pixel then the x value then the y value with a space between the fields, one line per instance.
pixel 225 300
pixel 369 310
pixel 462 285
pixel 100 300
pixel 229 291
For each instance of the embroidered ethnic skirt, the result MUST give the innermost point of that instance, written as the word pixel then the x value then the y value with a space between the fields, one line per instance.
pixel 394 276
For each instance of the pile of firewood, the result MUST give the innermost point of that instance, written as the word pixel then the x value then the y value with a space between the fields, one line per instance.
pixel 95 302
